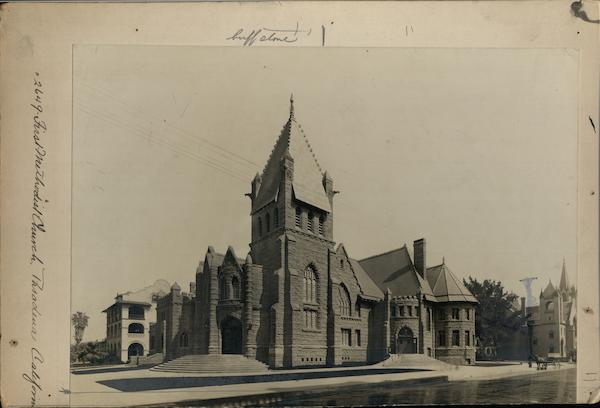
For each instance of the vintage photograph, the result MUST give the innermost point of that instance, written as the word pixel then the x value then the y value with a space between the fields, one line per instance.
pixel 331 226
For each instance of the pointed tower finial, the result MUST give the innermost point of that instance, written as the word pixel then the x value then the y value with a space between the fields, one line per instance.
pixel 443 260
pixel 292 106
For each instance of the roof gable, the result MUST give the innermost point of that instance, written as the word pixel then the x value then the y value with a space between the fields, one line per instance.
pixel 367 287
pixel 394 270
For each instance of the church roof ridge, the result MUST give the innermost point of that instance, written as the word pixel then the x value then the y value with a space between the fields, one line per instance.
pixel 384 253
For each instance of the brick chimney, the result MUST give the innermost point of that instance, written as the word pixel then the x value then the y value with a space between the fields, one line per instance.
pixel 420 256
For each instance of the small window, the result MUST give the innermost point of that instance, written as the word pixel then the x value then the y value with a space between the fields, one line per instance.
pixel 341 263
pixel 136 312
pixel 298 217
pixel 136 328
pixel 235 284
pixel 321 224
pixel 467 338
pixel 549 306
pixel 357 337
pixel 455 313
pixel 346 337
pixel 455 338
pixel 393 307
pixel 357 308
pixel 442 338
pixel 268 222
pixel 311 226
pixel 468 314
pixel 410 310
pixel 310 319
pixel 402 311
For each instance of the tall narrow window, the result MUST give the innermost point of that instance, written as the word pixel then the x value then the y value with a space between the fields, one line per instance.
pixel 357 308
pixel 409 310
pixel 344 301
pixel 468 313
pixel 455 338
pixel 259 227
pixel 357 337
pixel 276 218
pixel 235 284
pixel 268 222
pixel 310 285
pixel 321 224
pixel 223 288
pixel 402 311
pixel 346 337
pixel 311 226
pixel 298 217
pixel 442 338
pixel 467 338
pixel 455 313
pixel 428 319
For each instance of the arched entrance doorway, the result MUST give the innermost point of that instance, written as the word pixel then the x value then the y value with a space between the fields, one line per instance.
pixel 407 343
pixel 135 350
pixel 231 336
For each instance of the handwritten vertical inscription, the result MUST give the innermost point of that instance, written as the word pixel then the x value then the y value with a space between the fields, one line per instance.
pixel 38 227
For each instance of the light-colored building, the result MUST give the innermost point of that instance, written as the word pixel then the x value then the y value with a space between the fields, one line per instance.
pixel 129 320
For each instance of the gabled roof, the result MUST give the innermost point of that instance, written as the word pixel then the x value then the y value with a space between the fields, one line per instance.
pixel 308 178
pixel 549 291
pixel 446 286
pixel 368 288
pixel 215 258
pixel 394 270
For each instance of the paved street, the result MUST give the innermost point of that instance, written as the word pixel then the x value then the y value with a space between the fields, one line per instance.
pixel 474 384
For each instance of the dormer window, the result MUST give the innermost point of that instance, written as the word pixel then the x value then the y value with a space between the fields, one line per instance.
pixel 298 217
pixel 311 226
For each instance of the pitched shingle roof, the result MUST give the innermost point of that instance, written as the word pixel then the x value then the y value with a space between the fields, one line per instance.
pixel 446 286
pixel 308 177
pixel 394 270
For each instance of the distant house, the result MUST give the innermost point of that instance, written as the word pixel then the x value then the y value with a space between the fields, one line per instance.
pixel 129 320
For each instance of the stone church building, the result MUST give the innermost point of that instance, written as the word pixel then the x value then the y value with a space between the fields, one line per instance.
pixel 298 300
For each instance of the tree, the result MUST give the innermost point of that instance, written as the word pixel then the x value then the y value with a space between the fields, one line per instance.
pixel 79 320
pixel 92 352
pixel 496 320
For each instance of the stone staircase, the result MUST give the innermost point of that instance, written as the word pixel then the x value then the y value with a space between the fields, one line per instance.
pixel 212 363
pixel 413 361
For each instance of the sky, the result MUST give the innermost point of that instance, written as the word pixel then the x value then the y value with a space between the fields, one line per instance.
pixel 473 149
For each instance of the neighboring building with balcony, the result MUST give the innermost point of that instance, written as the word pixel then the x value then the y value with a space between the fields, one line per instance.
pixel 128 321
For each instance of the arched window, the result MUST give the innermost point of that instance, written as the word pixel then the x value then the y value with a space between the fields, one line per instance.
pixel 268 222
pixel 183 340
pixel 549 306
pixel 223 289
pixel 310 285
pixel 135 328
pixel 321 224
pixel 311 226
pixel 276 218
pixel 259 227
pixel 298 217
pixel 344 301
pixel 235 283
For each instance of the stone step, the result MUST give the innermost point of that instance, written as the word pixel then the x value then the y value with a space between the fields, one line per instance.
pixel 212 363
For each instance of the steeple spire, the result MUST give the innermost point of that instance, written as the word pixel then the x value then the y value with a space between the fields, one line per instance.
pixel 292 107
pixel 564 279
